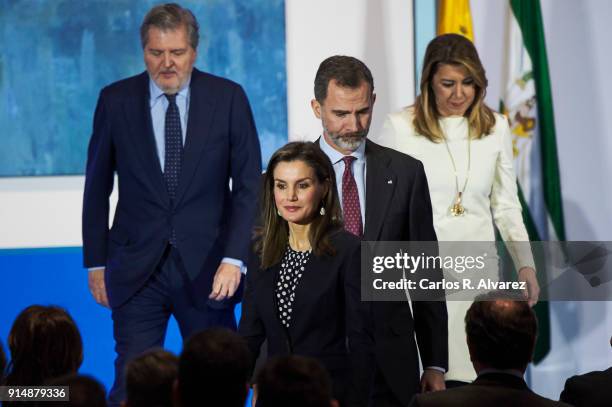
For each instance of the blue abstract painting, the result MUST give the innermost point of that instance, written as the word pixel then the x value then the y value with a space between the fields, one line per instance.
pixel 56 56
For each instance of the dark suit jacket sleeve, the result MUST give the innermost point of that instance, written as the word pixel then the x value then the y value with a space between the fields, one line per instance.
pixel 251 327
pixel 245 170
pixel 359 331
pixel 430 317
pixel 99 176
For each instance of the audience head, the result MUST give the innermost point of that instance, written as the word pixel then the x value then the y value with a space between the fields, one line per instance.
pixel 44 343
pixel 149 379
pixel 2 363
pixel 295 381
pixel 501 332
pixel 214 370
pixel 453 83
pixel 344 100
pixel 300 188
pixel 85 391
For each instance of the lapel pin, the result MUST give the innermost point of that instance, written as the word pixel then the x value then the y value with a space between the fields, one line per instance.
pixel 390 181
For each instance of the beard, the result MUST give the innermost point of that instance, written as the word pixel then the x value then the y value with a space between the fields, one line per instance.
pixel 348 141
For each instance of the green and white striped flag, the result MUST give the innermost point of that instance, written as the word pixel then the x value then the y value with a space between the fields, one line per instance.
pixel 527 101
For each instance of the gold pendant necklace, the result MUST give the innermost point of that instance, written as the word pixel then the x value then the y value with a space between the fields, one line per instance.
pixel 457 208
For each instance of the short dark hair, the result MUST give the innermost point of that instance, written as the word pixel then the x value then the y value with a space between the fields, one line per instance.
pixel 275 232
pixel 44 342
pixel 214 369
pixel 295 381
pixel 170 17
pixel 346 71
pixel 85 391
pixel 149 379
pixel 501 330
pixel 2 363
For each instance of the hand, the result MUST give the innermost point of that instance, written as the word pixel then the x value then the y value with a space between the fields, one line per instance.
pixel 532 293
pixel 97 288
pixel 432 380
pixel 226 281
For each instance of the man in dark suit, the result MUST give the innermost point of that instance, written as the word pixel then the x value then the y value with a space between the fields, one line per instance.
pixel 501 334
pixel 384 197
pixel 593 389
pixel 176 137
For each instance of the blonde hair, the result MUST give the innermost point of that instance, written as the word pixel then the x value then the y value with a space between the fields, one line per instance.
pixel 452 49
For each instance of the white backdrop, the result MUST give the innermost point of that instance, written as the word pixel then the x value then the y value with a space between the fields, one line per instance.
pixel 377 32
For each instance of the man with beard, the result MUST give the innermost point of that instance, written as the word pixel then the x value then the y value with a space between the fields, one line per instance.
pixel 175 137
pixel 384 197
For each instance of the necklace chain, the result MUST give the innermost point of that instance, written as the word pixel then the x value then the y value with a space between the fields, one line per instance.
pixel 457 208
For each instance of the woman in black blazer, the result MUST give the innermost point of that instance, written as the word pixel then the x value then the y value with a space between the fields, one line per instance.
pixel 302 291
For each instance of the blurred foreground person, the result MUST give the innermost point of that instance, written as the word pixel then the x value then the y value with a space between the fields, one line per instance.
pixel 149 379
pixel 295 381
pixel 85 391
pixel 501 335
pixel 214 370
pixel 2 363
pixel 593 389
pixel 44 343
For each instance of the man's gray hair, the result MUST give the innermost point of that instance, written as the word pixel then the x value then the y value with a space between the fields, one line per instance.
pixel 170 16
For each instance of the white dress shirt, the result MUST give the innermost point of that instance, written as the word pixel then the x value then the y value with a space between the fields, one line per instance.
pixel 358 168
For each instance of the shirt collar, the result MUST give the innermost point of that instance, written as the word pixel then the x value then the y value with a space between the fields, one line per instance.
pixel 156 92
pixel 335 155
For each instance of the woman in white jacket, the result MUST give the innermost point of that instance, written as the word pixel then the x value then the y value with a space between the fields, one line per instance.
pixel 466 150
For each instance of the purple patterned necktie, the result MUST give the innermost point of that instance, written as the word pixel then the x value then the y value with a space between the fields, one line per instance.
pixel 350 199
pixel 174 151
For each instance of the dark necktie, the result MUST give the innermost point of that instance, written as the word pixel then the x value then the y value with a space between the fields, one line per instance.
pixel 174 151
pixel 350 199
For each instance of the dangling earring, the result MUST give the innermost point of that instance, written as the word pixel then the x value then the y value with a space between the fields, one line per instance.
pixel 322 211
pixel 278 212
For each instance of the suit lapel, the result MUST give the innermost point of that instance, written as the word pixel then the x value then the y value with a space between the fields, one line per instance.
pixel 138 116
pixel 380 184
pixel 270 300
pixel 201 112
pixel 309 283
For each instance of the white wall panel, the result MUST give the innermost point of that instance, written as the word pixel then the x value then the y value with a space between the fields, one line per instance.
pixel 380 33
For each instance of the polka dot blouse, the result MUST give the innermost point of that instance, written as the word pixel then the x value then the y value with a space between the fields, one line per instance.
pixel 292 267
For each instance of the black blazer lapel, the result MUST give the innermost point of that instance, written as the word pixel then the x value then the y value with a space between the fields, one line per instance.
pixel 199 120
pixel 380 184
pixel 138 116
pixel 270 301
pixel 308 284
